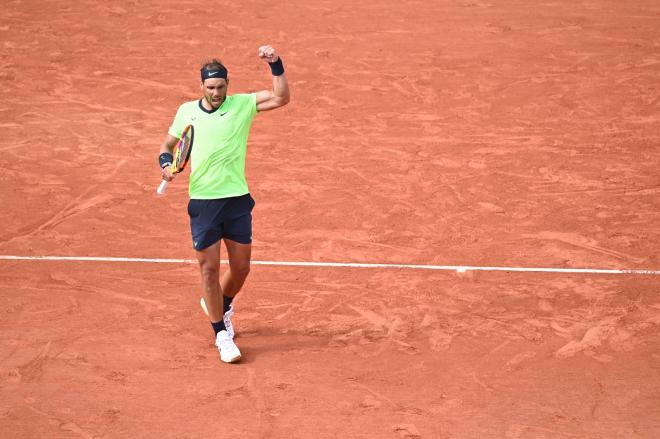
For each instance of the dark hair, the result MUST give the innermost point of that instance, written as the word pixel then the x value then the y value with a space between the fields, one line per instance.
pixel 215 65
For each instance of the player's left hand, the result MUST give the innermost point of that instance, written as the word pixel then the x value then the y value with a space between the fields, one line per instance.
pixel 268 54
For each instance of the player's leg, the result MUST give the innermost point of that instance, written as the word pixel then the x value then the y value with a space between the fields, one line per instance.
pixel 206 237
pixel 239 267
pixel 237 234
pixel 206 234
pixel 209 266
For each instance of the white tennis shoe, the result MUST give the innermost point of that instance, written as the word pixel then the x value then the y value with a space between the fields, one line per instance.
pixel 229 352
pixel 227 319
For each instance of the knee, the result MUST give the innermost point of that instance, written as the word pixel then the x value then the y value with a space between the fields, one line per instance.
pixel 210 272
pixel 240 271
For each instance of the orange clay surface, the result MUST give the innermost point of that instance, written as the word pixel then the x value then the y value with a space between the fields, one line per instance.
pixel 489 133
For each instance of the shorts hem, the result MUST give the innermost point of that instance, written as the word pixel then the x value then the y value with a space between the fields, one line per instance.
pixel 240 240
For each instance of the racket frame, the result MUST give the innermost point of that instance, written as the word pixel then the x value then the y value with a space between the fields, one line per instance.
pixel 179 165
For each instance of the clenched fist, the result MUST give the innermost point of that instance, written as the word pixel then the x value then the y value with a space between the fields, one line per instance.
pixel 268 53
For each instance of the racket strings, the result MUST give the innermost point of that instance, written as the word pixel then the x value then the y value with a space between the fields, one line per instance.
pixel 182 151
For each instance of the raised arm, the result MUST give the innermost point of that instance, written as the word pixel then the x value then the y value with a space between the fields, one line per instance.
pixel 279 95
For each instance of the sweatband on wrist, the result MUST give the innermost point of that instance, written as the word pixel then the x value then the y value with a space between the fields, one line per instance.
pixel 277 68
pixel 165 159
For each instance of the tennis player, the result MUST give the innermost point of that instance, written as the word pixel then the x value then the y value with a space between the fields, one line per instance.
pixel 220 206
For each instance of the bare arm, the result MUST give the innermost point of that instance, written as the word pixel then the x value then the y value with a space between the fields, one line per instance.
pixel 279 95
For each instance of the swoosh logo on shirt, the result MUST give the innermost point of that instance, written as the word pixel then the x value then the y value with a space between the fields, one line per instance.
pixel 222 114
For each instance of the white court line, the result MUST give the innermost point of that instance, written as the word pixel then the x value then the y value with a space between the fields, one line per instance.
pixel 458 268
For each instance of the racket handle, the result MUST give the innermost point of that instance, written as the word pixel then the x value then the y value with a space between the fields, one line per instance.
pixel 162 187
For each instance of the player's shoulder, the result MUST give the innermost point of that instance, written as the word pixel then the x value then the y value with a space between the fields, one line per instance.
pixel 245 101
pixel 189 107
pixel 190 104
pixel 240 98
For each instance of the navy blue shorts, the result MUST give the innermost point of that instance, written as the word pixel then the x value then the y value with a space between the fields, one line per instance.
pixel 212 220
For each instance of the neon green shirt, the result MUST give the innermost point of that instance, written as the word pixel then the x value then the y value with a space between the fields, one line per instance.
pixel 217 160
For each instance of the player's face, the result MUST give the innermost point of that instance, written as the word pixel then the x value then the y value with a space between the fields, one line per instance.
pixel 215 91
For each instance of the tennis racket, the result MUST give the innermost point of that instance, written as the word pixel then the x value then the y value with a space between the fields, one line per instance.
pixel 181 156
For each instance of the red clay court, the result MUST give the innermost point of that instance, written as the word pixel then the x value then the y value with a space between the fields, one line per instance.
pixel 481 134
